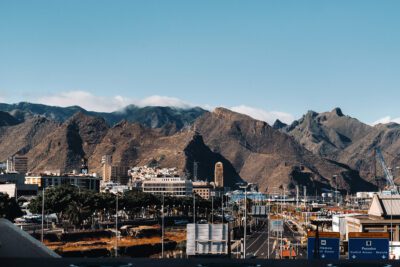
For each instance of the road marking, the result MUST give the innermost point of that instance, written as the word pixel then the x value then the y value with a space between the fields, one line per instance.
pixel 262 245
pixel 255 240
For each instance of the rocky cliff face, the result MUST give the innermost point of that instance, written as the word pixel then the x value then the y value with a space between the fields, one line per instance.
pixel 328 133
pixel 23 137
pixel 64 147
pixel 269 157
pixel 308 152
pixel 344 139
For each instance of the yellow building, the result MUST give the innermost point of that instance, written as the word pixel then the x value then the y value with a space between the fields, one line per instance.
pixel 202 189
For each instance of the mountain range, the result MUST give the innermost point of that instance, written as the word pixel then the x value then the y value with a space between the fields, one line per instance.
pixel 321 150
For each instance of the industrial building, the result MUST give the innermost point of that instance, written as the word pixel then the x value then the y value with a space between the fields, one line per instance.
pixel 383 216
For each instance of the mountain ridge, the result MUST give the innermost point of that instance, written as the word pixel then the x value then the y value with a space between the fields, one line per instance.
pixel 308 152
pixel 151 116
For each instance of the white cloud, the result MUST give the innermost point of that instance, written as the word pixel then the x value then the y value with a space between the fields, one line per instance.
pixel 92 102
pixel 164 101
pixel 267 116
pixel 2 97
pixel 386 120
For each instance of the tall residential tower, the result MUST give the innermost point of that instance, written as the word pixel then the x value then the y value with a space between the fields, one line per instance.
pixel 219 175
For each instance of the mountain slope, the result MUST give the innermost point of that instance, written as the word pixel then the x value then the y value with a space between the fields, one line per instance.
pixel 344 139
pixel 361 154
pixel 269 157
pixel 131 144
pixel 6 119
pixel 327 134
pixel 64 148
pixel 22 137
pixel 134 144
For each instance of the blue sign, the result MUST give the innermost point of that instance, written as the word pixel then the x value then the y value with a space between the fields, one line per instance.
pixel 368 248
pixel 328 248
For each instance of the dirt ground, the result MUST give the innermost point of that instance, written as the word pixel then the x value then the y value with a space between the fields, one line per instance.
pixel 108 243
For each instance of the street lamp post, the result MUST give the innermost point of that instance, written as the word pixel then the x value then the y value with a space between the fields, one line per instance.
pixel 245 221
pixel 336 194
pixel 212 207
pixel 269 210
pixel 244 186
pixel 43 196
pixel 194 207
pixel 116 226
pixel 162 228
pixel 42 233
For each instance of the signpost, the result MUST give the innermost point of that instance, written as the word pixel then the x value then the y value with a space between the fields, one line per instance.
pixel 368 246
pixel 276 225
pixel 327 247
pixel 257 210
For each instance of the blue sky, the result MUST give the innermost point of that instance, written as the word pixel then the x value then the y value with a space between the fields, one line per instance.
pixel 258 57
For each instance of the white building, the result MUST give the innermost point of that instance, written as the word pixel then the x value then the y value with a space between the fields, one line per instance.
pixel 114 188
pixel 173 186
pixel 339 223
pixel 8 189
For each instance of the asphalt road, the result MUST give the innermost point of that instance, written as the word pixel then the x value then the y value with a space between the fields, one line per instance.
pixel 257 243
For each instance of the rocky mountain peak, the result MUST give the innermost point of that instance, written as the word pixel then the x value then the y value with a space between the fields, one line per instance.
pixel 338 112
pixel 279 124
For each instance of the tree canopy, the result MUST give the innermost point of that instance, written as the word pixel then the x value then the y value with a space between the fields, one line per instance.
pixel 77 205
pixel 9 208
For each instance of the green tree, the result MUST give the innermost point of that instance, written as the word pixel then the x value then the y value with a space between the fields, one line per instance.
pixel 134 200
pixel 9 208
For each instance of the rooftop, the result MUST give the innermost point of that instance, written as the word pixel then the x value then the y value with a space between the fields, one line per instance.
pixel 385 205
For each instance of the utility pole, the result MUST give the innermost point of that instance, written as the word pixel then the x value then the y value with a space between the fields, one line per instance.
pixel 162 228
pixel 116 226
pixel 244 186
pixel 269 211
pixel 222 207
pixel 336 194
pixel 283 221
pixel 297 196
pixel 245 222
pixel 42 234
pixel 194 207
pixel 212 207
pixel 195 167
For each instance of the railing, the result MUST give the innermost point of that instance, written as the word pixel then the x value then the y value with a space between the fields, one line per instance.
pixel 194 262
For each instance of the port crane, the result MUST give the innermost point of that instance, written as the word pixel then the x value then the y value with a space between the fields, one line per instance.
pixel 388 174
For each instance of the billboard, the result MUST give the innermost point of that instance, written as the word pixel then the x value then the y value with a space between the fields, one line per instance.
pixel 276 225
pixel 368 246
pixel 206 239
pixel 325 247
pixel 259 211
